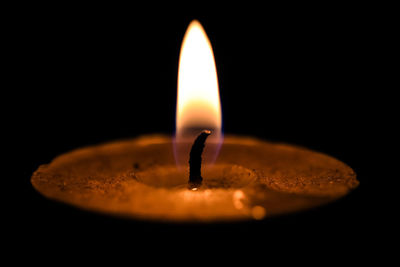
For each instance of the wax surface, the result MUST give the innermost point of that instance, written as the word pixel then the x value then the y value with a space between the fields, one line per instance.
pixel 138 178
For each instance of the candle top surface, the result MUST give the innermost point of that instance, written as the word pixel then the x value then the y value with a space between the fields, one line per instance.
pixel 138 178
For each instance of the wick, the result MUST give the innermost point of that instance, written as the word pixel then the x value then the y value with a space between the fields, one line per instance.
pixel 195 178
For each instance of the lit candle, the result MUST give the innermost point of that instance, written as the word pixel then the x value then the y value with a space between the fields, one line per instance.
pixel 234 178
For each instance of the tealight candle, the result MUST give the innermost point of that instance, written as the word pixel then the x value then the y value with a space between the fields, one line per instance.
pixel 157 177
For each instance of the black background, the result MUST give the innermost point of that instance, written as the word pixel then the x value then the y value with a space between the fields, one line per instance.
pixel 295 74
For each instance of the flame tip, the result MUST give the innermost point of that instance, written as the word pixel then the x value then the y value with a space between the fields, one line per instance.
pixel 194 22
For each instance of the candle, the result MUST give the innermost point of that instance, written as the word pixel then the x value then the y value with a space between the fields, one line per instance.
pixel 234 178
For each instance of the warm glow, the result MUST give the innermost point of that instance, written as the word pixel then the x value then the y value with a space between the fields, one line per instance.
pixel 198 104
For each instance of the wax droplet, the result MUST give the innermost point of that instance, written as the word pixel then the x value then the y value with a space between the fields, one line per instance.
pixel 258 212
pixel 238 198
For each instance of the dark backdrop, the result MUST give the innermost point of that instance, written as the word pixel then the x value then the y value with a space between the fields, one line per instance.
pixel 296 74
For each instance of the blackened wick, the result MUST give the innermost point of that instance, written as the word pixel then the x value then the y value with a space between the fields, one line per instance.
pixel 195 178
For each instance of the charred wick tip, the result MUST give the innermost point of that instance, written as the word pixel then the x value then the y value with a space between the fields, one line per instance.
pixel 195 178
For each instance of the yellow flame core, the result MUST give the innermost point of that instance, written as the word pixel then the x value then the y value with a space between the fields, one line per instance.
pixel 198 104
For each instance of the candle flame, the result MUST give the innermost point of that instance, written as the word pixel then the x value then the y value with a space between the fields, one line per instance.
pixel 198 94
pixel 198 102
